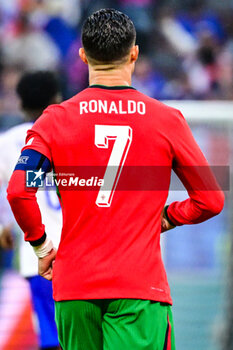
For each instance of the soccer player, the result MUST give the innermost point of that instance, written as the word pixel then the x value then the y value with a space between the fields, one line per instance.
pixel 36 91
pixel 109 283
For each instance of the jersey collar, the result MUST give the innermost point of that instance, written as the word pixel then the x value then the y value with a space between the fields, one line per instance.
pixel 117 87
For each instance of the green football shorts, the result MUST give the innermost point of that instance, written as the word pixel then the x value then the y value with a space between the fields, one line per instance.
pixel 114 324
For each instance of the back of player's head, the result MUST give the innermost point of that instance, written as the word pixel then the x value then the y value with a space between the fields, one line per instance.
pixel 108 35
pixel 37 90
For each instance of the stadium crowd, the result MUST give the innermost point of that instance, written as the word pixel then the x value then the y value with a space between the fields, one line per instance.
pixel 186 47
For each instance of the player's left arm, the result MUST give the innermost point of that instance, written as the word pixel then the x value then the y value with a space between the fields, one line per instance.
pixel 205 196
pixel 24 204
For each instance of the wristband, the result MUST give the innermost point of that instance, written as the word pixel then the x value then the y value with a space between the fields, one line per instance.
pixel 44 249
pixel 166 216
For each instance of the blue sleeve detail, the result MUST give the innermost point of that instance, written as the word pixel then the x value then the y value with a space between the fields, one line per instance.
pixel 33 160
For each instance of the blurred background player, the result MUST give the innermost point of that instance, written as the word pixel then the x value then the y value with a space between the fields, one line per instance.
pixel 36 91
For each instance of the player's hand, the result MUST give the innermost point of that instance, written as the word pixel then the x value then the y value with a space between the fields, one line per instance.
pixel 165 225
pixel 45 265
pixel 6 238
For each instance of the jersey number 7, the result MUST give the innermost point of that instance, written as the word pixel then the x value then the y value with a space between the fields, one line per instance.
pixel 122 135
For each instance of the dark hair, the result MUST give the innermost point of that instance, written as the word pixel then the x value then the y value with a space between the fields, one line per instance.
pixel 108 35
pixel 37 89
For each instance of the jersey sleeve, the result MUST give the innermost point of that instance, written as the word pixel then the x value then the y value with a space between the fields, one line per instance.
pixel 36 154
pixel 205 196
pixel 25 208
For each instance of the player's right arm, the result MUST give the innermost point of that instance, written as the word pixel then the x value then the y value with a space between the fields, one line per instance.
pixel 23 200
pixel 26 210
pixel 205 196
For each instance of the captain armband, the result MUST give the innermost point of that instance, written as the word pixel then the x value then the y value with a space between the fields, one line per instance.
pixel 33 160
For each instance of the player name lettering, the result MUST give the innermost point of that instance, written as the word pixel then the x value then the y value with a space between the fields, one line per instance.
pixel 74 181
pixel 115 107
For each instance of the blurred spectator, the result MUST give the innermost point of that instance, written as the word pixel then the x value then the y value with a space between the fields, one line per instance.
pixel 186 46
pixel 30 48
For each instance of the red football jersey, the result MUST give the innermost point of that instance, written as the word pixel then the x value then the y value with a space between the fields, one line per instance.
pixel 110 243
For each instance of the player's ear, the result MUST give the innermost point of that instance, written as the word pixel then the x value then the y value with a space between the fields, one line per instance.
pixel 134 52
pixel 82 55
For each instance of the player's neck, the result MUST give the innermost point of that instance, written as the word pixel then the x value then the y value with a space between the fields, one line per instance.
pixel 110 77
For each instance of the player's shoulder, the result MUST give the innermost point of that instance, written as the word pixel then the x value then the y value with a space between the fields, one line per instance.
pixel 161 109
pixel 48 117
